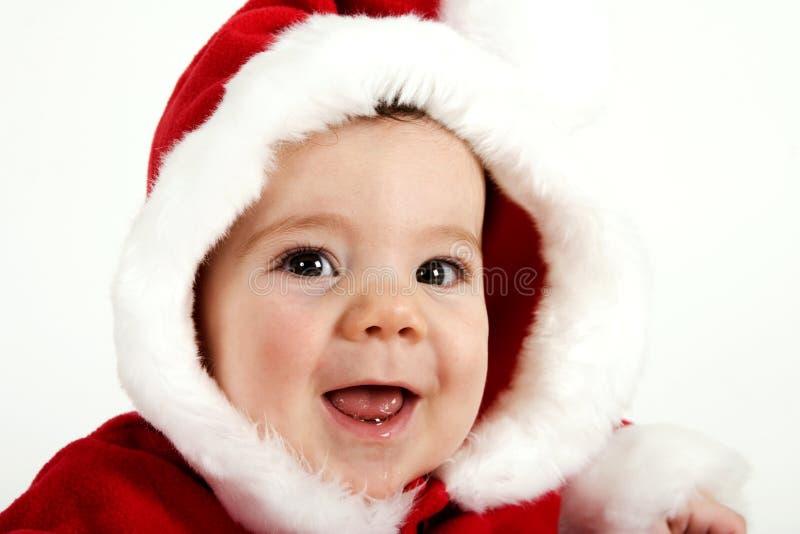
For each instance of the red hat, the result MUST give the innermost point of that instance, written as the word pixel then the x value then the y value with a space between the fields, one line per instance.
pixel 565 343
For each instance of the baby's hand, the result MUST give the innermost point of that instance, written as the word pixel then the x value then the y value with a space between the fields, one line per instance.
pixel 703 515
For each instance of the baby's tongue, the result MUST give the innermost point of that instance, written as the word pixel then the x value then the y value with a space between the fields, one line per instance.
pixel 367 402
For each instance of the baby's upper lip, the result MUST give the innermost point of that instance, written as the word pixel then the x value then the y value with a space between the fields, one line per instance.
pixel 414 390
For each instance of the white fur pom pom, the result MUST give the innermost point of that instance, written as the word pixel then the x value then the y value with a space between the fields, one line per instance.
pixel 561 46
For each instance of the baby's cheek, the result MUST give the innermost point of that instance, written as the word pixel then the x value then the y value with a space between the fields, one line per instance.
pixel 291 331
pixel 461 391
pixel 470 347
pixel 276 357
pixel 466 366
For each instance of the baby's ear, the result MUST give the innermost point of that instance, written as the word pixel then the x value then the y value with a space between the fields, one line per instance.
pixel 647 473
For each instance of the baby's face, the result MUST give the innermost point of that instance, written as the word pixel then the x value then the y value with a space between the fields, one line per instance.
pixel 341 310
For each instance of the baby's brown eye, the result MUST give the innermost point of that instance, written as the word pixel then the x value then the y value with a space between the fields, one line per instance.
pixel 307 263
pixel 439 272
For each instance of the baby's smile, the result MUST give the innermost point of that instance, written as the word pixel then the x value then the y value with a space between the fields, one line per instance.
pixel 371 411
pixel 369 403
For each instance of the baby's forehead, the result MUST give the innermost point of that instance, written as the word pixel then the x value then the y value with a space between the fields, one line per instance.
pixel 371 177
pixel 410 157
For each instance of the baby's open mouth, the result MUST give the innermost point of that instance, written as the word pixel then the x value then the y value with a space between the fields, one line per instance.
pixel 369 404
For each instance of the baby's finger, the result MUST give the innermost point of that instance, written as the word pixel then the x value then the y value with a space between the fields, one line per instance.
pixel 679 524
pixel 710 517
pixel 731 524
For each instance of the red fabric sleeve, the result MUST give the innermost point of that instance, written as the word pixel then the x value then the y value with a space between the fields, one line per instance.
pixel 125 477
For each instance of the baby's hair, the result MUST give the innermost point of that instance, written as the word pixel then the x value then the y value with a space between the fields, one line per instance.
pixel 399 112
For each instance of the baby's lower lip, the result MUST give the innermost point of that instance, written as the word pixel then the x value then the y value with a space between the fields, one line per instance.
pixel 373 430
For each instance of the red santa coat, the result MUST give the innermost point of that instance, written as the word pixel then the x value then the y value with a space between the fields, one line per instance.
pixel 567 330
pixel 127 477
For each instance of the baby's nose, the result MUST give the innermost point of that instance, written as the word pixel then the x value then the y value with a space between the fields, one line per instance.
pixel 383 316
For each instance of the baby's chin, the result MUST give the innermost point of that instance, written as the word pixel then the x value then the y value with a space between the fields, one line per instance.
pixel 377 480
pixel 376 488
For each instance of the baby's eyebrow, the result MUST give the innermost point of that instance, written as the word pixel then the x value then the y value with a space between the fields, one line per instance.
pixel 456 234
pixel 293 223
pixel 451 232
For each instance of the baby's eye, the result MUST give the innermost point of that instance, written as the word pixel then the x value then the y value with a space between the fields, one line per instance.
pixel 440 272
pixel 306 263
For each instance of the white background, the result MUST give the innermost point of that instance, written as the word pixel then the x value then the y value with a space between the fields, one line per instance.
pixel 706 154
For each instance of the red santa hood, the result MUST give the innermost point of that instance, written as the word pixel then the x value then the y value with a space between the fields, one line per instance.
pixel 566 337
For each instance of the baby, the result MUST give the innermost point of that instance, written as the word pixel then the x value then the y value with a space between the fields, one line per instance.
pixel 337 312
pixel 363 296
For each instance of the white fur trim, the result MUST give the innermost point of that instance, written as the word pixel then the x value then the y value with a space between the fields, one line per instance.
pixel 646 474
pixel 578 365
pixel 561 46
